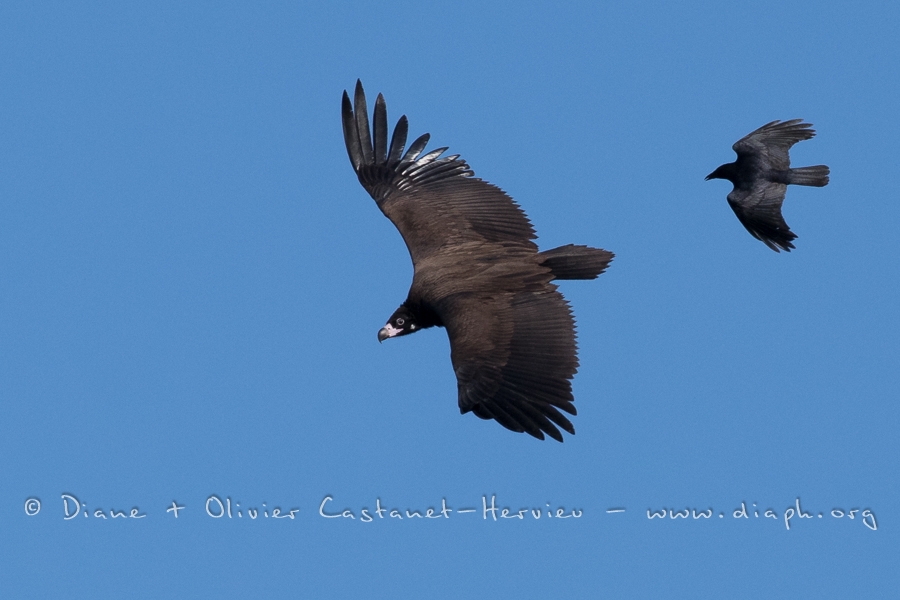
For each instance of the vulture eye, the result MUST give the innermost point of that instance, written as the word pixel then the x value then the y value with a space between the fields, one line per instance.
pixel 400 321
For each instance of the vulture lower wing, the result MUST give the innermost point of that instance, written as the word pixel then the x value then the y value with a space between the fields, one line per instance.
pixel 434 202
pixel 773 141
pixel 514 355
pixel 759 210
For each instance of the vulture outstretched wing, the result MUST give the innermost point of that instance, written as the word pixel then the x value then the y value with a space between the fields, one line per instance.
pixel 514 356
pixel 432 200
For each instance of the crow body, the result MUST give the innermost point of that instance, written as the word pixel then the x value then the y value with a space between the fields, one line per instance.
pixel 760 176
pixel 478 273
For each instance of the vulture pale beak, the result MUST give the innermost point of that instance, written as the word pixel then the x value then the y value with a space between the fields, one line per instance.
pixel 388 331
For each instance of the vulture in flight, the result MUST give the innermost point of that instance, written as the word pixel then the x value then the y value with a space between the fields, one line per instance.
pixel 760 176
pixel 477 273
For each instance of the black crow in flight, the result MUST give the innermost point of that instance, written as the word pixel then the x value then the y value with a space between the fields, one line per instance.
pixel 477 273
pixel 761 175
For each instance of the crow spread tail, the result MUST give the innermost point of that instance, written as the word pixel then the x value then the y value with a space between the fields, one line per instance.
pixel 576 262
pixel 816 176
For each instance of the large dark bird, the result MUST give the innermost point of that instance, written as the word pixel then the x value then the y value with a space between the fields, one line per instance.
pixel 761 175
pixel 478 273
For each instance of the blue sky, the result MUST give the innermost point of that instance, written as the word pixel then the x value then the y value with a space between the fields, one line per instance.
pixel 192 279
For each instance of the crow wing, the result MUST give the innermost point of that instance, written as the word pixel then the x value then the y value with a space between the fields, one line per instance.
pixel 759 210
pixel 434 202
pixel 514 355
pixel 772 142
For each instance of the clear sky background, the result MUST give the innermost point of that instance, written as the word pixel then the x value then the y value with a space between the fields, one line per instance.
pixel 191 282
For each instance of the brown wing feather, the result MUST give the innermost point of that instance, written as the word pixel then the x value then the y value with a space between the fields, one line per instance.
pixel 431 200
pixel 514 356
pixel 456 210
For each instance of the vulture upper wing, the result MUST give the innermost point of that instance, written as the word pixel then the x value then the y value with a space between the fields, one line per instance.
pixel 773 142
pixel 431 200
pixel 514 354
pixel 759 210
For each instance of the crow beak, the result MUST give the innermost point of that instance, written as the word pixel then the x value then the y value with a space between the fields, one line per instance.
pixel 708 177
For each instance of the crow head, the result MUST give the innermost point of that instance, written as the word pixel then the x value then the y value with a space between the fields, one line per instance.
pixel 725 171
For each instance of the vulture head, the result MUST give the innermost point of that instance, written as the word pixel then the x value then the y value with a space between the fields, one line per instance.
pixel 402 322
